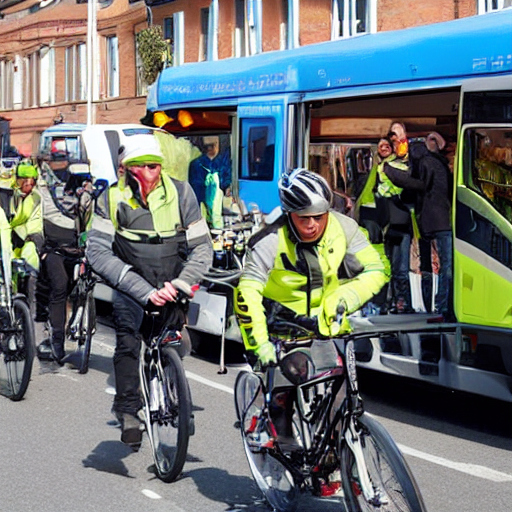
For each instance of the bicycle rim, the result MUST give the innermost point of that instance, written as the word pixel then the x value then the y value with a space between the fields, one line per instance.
pixel 387 469
pixel 86 330
pixel 273 479
pixel 16 367
pixel 171 424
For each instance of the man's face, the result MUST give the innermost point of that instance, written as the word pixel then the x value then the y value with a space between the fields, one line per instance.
pixel 310 228
pixel 146 174
pixel 26 185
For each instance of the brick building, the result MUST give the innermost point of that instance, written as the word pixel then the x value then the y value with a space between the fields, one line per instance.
pixel 43 51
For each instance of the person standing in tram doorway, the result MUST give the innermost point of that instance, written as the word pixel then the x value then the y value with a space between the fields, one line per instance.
pixel 396 220
pixel 210 178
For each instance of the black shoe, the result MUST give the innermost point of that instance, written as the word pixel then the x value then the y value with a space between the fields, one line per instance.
pixel 131 431
pixel 48 351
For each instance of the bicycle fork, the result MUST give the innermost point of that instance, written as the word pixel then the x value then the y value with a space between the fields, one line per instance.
pixel 371 491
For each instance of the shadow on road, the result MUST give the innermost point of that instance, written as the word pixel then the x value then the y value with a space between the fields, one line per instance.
pixel 107 457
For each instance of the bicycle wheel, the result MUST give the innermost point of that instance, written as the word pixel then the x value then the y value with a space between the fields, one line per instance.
pixel 171 422
pixel 387 469
pixel 18 353
pixel 87 328
pixel 271 476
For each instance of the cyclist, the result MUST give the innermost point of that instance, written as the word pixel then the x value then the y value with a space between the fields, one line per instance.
pixel 314 264
pixel 160 243
pixel 22 207
pixel 67 209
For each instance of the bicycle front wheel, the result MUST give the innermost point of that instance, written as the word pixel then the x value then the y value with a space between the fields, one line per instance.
pixel 171 420
pixel 17 355
pixel 390 476
pixel 271 476
pixel 88 326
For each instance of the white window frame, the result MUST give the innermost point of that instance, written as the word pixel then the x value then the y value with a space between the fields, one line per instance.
pixel 47 76
pixel 485 6
pixel 112 49
pixel 253 23
pixel 212 52
pixel 347 27
pixel 178 58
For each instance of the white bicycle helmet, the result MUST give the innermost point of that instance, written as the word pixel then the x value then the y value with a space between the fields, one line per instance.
pixel 304 192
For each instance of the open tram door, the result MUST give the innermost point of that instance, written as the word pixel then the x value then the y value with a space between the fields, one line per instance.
pixel 263 129
pixel 483 224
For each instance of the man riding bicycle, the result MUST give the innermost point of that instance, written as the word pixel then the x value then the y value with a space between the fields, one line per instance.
pixel 161 244
pixel 315 263
pixel 67 209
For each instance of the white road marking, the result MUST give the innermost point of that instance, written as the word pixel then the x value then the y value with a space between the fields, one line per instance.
pixel 208 382
pixel 470 469
pixel 151 494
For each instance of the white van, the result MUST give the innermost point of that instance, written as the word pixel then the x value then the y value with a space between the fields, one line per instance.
pixel 96 144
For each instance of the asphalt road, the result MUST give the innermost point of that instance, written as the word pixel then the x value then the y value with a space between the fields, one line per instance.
pixel 60 448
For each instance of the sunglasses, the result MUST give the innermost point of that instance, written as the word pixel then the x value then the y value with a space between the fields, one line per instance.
pixel 152 167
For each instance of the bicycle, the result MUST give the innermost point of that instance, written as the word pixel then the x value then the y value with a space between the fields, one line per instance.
pixel 167 402
pixel 82 322
pixel 342 441
pixel 17 337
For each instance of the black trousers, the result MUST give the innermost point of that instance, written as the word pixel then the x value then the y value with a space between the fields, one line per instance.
pixel 58 272
pixel 128 317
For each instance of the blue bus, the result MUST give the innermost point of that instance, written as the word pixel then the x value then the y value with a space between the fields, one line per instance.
pixel 325 106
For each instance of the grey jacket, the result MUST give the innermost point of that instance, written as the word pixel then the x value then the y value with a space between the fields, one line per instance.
pixel 127 277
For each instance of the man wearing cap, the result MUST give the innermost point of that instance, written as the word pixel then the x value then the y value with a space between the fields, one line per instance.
pixel 210 176
pixel 150 242
pixel 22 207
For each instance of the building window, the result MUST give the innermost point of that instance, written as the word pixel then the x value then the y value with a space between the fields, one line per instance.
pixel 289 29
pixel 174 34
pixel 6 84
pixel 112 67
pixel 203 44
pixel 47 76
pixel 352 17
pixel 240 39
pixel 492 5
pixel 168 32
pixel 76 73
pixel 142 87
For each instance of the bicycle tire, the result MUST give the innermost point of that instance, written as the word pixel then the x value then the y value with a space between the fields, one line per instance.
pixel 170 430
pixel 274 481
pixel 18 362
pixel 87 330
pixel 386 467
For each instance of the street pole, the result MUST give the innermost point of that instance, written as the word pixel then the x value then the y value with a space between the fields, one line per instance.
pixel 91 43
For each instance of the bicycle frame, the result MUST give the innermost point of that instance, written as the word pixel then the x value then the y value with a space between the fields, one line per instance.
pixel 317 413
pixel 84 283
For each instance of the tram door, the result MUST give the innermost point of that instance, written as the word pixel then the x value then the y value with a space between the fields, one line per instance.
pixel 261 146
pixel 483 207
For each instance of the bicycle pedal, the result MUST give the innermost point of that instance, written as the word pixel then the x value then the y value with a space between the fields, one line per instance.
pixel 237 424
pixel 192 426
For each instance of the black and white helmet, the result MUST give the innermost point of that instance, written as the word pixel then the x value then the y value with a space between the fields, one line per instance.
pixel 305 192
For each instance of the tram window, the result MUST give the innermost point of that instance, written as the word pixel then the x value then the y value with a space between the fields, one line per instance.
pixel 488 166
pixel 257 152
